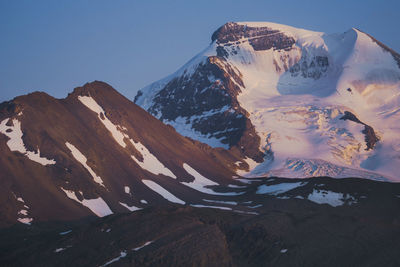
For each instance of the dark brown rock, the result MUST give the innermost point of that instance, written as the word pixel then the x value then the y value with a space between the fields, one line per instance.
pixel 370 137
pixel 260 38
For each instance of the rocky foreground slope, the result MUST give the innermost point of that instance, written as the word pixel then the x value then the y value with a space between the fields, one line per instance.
pixel 279 95
pixel 311 222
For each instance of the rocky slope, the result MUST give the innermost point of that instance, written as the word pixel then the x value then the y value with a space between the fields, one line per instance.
pixel 311 222
pixel 97 153
pixel 278 95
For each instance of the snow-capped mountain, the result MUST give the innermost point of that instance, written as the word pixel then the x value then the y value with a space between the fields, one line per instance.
pixel 291 102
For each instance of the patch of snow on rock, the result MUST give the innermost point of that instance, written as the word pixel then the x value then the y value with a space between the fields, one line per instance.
pixel 122 255
pixel 83 160
pixel 331 198
pixel 98 206
pixel 200 182
pixel 150 162
pixel 65 233
pixel 211 207
pixel 92 105
pixel 127 189
pixel 162 192
pixel 17 144
pixel 144 245
pixel 25 220
pixel 57 250
pixel 130 208
pixel 277 189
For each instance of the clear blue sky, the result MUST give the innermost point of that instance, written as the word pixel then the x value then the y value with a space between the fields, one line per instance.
pixel 54 46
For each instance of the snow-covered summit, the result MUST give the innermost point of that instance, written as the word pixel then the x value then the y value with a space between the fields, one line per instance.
pixel 271 88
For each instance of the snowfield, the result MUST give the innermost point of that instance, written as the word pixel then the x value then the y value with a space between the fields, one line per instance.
pixel 296 98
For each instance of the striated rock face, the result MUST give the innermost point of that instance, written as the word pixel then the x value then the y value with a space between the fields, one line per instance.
pixel 260 38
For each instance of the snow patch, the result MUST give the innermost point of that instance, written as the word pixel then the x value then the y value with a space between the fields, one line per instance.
pixel 23 213
pixel 65 233
pixel 112 128
pixel 150 162
pixel 130 208
pixel 200 182
pixel 211 207
pixel 127 189
pixel 122 255
pixel 83 160
pixel 221 202
pixel 162 192
pixel 331 198
pixel 25 220
pixel 17 144
pixel 144 245
pixel 57 250
pixel 252 164
pixel 277 189
pixel 98 206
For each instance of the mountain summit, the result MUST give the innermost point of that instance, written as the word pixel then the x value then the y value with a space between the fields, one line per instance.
pixel 292 102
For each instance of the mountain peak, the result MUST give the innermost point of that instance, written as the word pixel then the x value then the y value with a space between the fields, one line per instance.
pixel 279 71
pixel 260 37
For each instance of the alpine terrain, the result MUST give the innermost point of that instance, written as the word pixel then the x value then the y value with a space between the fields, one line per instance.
pixel 292 102
pixel 233 160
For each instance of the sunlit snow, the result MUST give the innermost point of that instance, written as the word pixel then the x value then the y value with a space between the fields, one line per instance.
pixel 98 206
pixel 298 117
pixel 150 162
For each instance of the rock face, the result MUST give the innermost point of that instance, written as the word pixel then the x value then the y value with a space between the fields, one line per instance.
pixel 317 66
pixel 273 93
pixel 370 137
pixel 89 154
pixel 260 38
pixel 206 99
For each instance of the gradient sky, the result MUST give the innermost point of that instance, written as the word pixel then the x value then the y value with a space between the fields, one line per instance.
pixel 55 46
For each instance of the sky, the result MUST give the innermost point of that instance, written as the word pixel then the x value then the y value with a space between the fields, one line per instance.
pixel 55 46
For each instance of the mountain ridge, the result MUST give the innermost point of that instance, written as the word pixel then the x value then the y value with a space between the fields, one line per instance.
pixel 82 155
